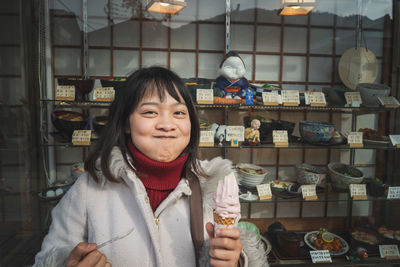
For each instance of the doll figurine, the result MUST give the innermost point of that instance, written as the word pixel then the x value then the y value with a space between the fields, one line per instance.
pixel 252 134
pixel 232 82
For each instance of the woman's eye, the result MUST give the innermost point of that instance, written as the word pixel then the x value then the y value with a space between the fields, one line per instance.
pixel 149 112
pixel 180 113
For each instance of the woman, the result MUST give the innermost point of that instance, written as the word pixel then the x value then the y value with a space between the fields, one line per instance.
pixel 144 188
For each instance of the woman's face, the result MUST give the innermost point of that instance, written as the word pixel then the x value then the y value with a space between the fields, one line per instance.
pixel 160 130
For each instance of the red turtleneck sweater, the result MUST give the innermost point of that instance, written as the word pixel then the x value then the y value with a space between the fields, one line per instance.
pixel 159 178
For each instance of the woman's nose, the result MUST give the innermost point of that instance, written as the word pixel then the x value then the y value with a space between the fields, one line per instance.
pixel 165 123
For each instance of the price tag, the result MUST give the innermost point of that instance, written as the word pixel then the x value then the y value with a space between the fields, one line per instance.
pixel 389 252
pixel 355 139
pixel 393 192
pixel 235 132
pixel 320 256
pixel 389 101
pixel 104 94
pixel 353 99
pixel 309 192
pixel 315 99
pixel 81 137
pixel 358 191
pixel 264 191
pixel 290 97
pixel 280 138
pixel 271 98
pixel 65 92
pixel 206 138
pixel 205 96
pixel 395 139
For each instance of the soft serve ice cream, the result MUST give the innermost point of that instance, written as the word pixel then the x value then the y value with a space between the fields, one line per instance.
pixel 226 203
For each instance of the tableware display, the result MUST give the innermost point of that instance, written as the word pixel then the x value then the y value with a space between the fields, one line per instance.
pixel 310 237
pixel 308 174
pixel 315 131
pixel 251 175
pixel 342 175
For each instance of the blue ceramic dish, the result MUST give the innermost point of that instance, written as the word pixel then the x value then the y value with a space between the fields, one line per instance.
pixel 316 132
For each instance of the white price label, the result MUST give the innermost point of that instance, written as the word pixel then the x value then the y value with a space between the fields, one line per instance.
pixel 264 191
pixel 104 94
pixel 315 98
pixel 235 132
pixel 358 191
pixel 388 251
pixel 280 136
pixel 309 191
pixel 355 138
pixel 206 138
pixel 395 139
pixel 291 96
pixel 271 98
pixel 65 92
pixel 81 137
pixel 205 96
pixel 393 192
pixel 320 256
pixel 353 98
pixel 388 101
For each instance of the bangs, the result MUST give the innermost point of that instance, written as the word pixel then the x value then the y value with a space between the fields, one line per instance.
pixel 159 84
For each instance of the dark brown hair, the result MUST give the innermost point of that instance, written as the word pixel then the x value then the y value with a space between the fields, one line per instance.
pixel 161 81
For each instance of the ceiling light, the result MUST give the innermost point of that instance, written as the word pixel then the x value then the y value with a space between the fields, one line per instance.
pixel 296 7
pixel 165 6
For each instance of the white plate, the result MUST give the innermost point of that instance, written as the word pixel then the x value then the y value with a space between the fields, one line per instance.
pixel 310 235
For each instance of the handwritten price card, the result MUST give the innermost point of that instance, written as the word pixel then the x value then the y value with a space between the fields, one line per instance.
pixel 315 99
pixel 264 191
pixel 271 98
pixel 393 192
pixel 389 252
pixel 388 101
pixel 355 139
pixel 395 139
pixel 358 191
pixel 309 192
pixel 320 256
pixel 206 138
pixel 205 96
pixel 290 97
pixel 280 138
pixel 81 137
pixel 353 99
pixel 65 92
pixel 235 132
pixel 104 94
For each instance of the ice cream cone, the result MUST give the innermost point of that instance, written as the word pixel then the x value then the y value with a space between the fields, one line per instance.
pixel 223 221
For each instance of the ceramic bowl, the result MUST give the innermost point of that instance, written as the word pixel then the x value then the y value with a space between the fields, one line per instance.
pixel 370 91
pixel 67 121
pixel 251 175
pixel 117 83
pixel 82 86
pixel 342 175
pixel 316 132
pixel 308 174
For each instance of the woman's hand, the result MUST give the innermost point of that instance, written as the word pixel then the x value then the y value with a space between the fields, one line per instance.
pixel 224 249
pixel 86 255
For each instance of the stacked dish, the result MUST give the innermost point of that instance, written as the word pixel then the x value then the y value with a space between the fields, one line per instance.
pixel 251 175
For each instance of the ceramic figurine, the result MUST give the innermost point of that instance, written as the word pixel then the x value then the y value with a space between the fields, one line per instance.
pixel 252 134
pixel 232 82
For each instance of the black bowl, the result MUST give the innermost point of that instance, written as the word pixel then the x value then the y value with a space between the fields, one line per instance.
pixel 99 123
pixel 82 86
pixel 63 123
pixel 116 84
pixel 196 83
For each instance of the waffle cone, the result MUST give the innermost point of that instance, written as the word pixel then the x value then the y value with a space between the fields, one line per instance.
pixel 223 221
